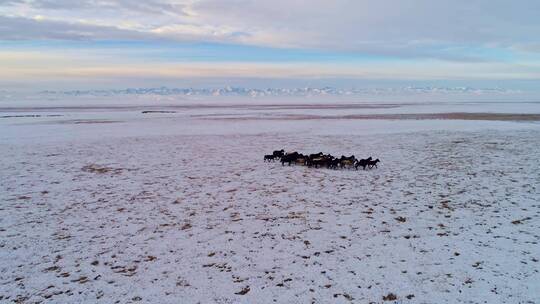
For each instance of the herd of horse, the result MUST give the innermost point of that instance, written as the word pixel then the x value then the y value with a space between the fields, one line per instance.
pixel 321 160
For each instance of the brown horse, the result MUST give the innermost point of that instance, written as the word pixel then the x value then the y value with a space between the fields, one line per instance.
pixel 347 161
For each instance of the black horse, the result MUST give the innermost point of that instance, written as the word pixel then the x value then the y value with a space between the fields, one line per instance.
pixel 289 158
pixel 362 163
pixel 311 157
pixel 334 163
pixel 278 153
pixel 373 163
pixel 316 155
pixel 319 162
pixel 269 157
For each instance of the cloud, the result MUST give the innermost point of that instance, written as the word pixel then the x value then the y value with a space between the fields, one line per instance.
pixel 121 6
pixel 407 28
pixel 450 30
pixel 16 28
pixel 529 48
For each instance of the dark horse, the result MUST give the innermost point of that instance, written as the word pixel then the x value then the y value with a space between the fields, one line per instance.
pixel 373 163
pixel 314 159
pixel 363 163
pixel 278 153
pixel 320 162
pixel 347 161
pixel 301 160
pixel 269 157
pixel 334 162
pixel 289 158
pixel 316 155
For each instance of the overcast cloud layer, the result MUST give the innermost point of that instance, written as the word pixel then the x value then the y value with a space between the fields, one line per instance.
pixel 409 27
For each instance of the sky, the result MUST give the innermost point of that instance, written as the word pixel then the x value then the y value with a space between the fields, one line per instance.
pixel 66 44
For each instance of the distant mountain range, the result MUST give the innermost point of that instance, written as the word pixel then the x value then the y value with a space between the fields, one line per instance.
pixel 254 92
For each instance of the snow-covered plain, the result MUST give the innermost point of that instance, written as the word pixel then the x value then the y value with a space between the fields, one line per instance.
pixel 123 207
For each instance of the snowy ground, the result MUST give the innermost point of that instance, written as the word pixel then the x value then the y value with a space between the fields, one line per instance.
pixel 183 210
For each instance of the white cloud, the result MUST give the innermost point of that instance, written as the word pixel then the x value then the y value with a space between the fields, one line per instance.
pixel 407 28
pixel 39 27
